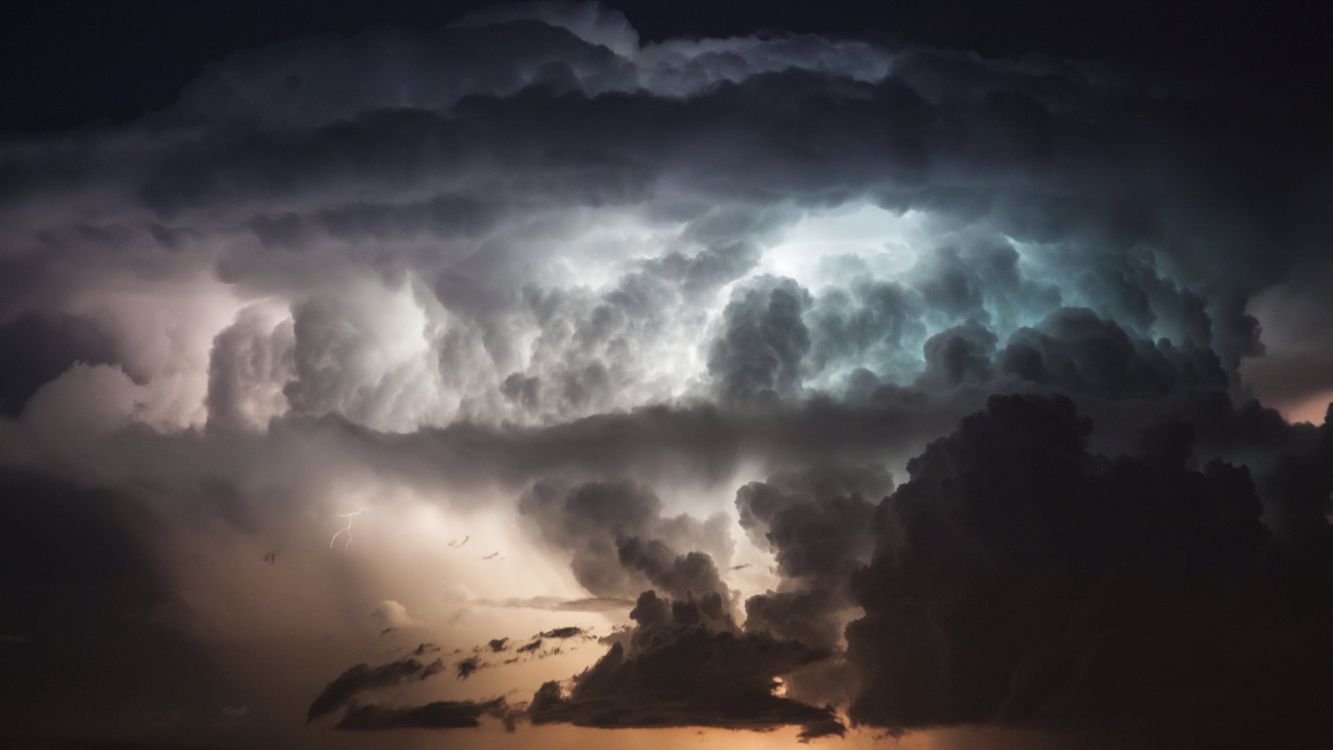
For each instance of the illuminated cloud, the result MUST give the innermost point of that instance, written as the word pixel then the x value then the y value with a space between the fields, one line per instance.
pixel 884 373
pixel 391 615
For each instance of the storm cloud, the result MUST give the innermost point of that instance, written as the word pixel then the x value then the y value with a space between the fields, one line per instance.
pixel 684 665
pixel 858 372
pixel 435 715
pixel 1020 576
pixel 362 678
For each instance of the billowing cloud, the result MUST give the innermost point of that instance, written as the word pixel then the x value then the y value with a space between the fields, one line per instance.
pixel 631 307
pixel 684 664
pixel 619 540
pixel 392 615
pixel 817 522
pixel 1017 576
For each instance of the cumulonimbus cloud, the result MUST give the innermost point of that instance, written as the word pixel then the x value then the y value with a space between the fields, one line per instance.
pixel 615 293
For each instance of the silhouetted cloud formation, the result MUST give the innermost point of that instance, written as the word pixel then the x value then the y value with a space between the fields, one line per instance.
pixel 619 539
pixel 434 715
pixel 465 668
pixel 817 522
pixel 593 286
pixel 568 631
pixel 362 678
pixel 1019 577
pixel 684 664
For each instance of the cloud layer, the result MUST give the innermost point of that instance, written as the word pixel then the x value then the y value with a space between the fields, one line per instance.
pixel 882 384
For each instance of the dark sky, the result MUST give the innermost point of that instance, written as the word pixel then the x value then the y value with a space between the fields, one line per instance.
pixel 64 64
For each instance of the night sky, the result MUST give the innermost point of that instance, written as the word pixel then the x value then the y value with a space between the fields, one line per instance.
pixel 655 375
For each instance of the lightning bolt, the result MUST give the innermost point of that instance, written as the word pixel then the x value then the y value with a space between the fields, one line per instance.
pixel 348 529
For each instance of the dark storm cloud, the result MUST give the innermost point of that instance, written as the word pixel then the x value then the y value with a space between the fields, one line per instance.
pixel 982 281
pixel 569 631
pixel 969 134
pixel 868 322
pixel 292 85
pixel 435 715
pixel 1017 576
pixel 465 668
pixel 690 574
pixel 685 664
pixel 758 355
pixel 1031 153
pixel 618 538
pixel 825 728
pixel 694 441
pixel 958 355
pixel 362 678
pixel 1075 351
pixel 1282 458
pixel 817 523
pixel 535 254
pixel 1298 495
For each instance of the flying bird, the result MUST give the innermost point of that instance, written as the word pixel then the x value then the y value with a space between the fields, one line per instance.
pixel 456 544
pixel 348 529
pixel 492 556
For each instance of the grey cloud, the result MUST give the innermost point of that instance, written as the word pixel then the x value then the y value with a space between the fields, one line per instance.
pixel 617 537
pixel 983 282
pixel 817 521
pixel 685 666
pixel 958 355
pixel 874 324
pixel 758 354
pixel 692 574
pixel 1076 351
pixel 531 248
pixel 941 156
pixel 291 84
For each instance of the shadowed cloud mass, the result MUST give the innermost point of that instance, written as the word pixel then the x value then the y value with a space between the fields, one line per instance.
pixel 859 371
